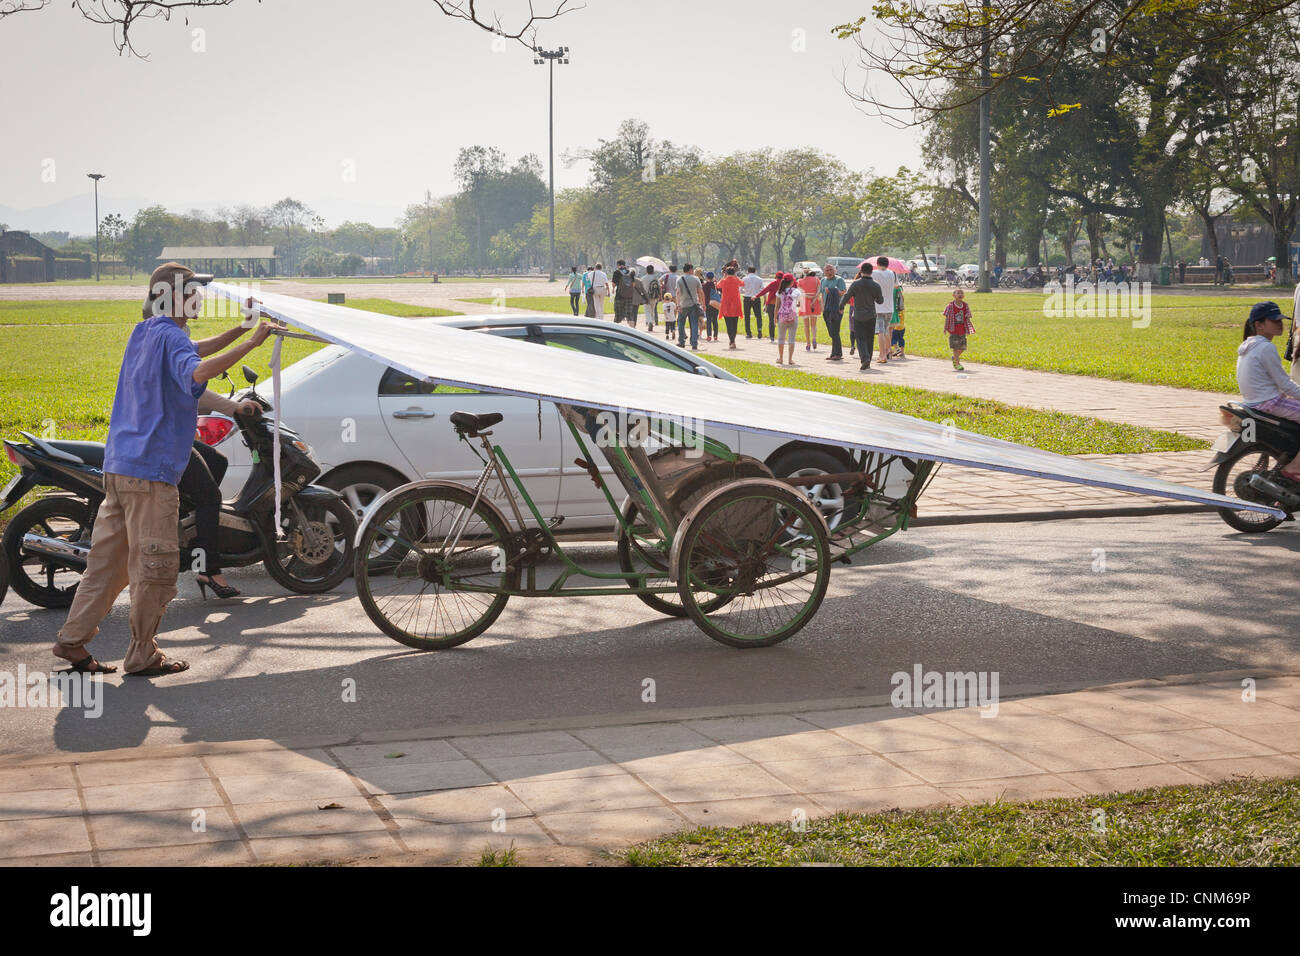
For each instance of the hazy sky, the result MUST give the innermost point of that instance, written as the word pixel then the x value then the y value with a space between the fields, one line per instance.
pixel 289 96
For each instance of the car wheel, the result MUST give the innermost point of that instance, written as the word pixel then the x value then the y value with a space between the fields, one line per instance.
pixel 830 498
pixel 360 486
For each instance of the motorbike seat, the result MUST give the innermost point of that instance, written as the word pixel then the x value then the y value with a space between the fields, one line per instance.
pixel 1292 428
pixel 472 424
pixel 88 452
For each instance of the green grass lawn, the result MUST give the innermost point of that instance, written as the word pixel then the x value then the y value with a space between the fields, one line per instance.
pixel 1191 341
pixel 400 309
pixel 1053 431
pixel 1238 823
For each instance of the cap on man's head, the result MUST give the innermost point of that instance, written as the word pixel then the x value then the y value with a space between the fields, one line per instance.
pixel 169 272
pixel 167 281
pixel 1266 310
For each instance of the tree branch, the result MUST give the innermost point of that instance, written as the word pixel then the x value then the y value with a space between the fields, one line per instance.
pixel 526 34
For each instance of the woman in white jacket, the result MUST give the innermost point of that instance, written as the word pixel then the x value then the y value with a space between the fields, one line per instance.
pixel 1263 382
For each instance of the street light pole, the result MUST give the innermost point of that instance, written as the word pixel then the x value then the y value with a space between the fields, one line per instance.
pixel 984 230
pixel 549 57
pixel 96 177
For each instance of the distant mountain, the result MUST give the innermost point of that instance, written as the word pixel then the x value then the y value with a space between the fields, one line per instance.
pixel 77 214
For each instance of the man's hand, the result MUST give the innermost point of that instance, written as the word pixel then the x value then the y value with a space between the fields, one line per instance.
pixel 249 408
pixel 259 336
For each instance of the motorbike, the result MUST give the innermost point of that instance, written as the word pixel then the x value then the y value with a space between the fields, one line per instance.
pixel 47 543
pixel 1250 456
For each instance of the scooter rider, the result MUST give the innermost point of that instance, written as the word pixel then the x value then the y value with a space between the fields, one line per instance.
pixel 150 436
pixel 1264 385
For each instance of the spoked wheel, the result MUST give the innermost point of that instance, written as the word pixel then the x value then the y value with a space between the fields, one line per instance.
pixel 1232 479
pixel 39 580
pixel 764 547
pixel 448 585
pixel 642 552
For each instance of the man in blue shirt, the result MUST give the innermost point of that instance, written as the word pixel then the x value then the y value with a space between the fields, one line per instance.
pixel 149 439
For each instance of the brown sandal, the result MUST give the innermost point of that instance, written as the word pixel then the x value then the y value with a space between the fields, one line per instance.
pixel 161 669
pixel 88 665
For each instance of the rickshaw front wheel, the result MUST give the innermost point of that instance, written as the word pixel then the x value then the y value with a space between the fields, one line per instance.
pixel 763 547
pixel 447 587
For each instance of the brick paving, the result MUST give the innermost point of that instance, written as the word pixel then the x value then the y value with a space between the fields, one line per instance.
pixel 601 786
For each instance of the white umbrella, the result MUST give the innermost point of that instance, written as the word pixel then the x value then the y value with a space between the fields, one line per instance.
pixel 659 264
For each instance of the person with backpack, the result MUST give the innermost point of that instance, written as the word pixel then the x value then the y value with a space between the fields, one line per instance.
pixel 712 300
pixel 654 292
pixel 588 289
pixel 788 299
pixel 624 284
pixel 690 306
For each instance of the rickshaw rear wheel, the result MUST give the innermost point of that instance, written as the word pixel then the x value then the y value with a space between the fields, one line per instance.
pixel 408 599
pixel 738 545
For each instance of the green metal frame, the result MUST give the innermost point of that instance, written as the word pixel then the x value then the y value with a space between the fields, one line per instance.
pixel 641 581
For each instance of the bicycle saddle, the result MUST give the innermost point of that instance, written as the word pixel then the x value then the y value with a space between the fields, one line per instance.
pixel 471 424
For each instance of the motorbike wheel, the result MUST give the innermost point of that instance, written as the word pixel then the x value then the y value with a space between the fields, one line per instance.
pixel 1230 479
pixel 317 558
pixel 35 579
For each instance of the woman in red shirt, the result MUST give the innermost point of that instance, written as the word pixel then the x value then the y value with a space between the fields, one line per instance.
pixel 731 305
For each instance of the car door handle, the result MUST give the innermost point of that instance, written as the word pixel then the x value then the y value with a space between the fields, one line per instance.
pixel 414 413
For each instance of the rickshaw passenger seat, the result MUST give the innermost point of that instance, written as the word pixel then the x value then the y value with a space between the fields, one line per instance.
pixel 472 424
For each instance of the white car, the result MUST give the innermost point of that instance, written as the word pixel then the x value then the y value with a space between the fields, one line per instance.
pixel 969 270
pixel 373 428
pixel 799 268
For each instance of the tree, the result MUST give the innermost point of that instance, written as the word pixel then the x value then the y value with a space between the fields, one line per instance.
pixel 525 33
pixel 289 216
pixel 121 15
pixel 113 228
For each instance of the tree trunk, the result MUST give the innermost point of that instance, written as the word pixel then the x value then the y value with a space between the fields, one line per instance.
pixel 1034 247
pixel 999 248
pixel 798 249
pixel 1153 236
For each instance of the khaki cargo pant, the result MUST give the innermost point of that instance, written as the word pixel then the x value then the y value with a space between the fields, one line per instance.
pixel 134 543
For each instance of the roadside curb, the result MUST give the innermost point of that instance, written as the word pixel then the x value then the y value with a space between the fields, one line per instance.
pixel 674 715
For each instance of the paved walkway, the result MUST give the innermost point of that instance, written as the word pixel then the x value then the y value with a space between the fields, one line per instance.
pixel 549 787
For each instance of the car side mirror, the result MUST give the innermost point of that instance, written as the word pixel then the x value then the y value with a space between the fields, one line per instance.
pixel 249 375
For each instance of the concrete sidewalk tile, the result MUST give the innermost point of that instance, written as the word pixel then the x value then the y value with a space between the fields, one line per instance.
pixel 1074 700
pixel 580 763
pixel 1019 729
pixel 716 783
pixel 305 817
pixel 1207 743
pixel 111 772
pixel 413 777
pixel 743 810
pixel 718 755
pixel 613 829
pixel 972 761
pixel 163 795
pixel 850 716
pixel 518 745
pixel 466 841
pixel 1280 736
pixel 1232 711
pixel 269 761
pixel 1132 717
pixel 806 745
pixel 823 774
pixel 631 741
pixel 52 860
pixel 227 853
pixel 1038 787
pixel 1272 765
pixel 413 751
pixel 31 804
pixel 22 838
pixel 584 794
pixel 1088 753
pixel 455 806
pixel 1130 778
pixel 37 778
pixel 729 730
pixel 277 787
pixel 124 831
pixel 882 798
pixel 903 734
pixel 324 846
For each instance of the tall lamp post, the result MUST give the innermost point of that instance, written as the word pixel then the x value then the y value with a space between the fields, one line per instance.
pixel 96 177
pixel 550 57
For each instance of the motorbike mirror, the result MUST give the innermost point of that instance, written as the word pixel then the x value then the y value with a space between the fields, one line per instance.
pixel 226 376
pixel 249 375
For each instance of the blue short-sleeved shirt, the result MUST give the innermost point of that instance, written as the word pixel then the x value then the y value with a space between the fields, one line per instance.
pixel 156 404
